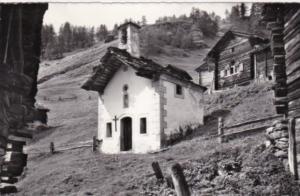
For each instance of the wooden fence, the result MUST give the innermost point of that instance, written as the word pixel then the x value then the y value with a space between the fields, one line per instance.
pixel 93 144
pixel 225 133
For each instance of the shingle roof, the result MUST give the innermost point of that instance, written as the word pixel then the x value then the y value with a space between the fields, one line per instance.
pixel 115 58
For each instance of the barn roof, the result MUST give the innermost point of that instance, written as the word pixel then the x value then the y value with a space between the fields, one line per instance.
pixel 202 67
pixel 115 58
pixel 253 38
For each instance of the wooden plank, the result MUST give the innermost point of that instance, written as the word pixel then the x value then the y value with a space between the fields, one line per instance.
pixel 276 38
pixel 281 109
pixel 253 121
pixel 8 180
pixel 274 26
pixel 280 91
pixel 293 86
pixel 11 171
pixel 294 94
pixel 292 43
pixel 279 59
pixel 294 104
pixel 290 68
pixel 290 53
pixel 18 109
pixel 294 20
pixel 13 82
pixel 293 76
pixel 292 153
pixel 8 189
pixel 280 100
pixel 294 113
pixel 279 68
pixel 246 132
pixel 295 57
pixel 292 33
pixel 278 51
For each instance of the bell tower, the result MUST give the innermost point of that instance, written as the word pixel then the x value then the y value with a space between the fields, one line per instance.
pixel 129 38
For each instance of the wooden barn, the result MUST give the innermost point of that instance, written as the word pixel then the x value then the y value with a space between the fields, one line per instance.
pixel 236 59
pixel 20 38
pixel 283 21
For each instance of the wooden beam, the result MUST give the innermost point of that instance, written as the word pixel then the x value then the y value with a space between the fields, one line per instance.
pixel 9 180
pixel 8 189
pixel 157 171
pixel 180 184
pixel 292 151
pixel 11 170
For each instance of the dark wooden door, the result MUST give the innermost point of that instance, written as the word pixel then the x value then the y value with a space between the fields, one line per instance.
pixel 126 134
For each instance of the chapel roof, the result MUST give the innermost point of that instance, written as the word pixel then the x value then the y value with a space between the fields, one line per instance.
pixel 129 23
pixel 115 58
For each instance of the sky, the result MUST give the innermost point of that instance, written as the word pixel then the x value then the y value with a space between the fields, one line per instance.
pixel 94 14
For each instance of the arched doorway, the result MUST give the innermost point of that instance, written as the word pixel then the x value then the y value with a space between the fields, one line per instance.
pixel 126 134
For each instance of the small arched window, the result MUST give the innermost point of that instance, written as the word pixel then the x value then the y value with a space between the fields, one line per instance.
pixel 232 68
pixel 125 96
pixel 124 36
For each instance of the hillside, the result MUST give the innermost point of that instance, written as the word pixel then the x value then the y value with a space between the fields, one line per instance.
pixel 73 119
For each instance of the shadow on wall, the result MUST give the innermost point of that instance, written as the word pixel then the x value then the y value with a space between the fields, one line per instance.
pixel 189 132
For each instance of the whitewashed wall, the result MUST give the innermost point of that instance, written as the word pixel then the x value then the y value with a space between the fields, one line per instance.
pixel 143 102
pixel 133 41
pixel 181 111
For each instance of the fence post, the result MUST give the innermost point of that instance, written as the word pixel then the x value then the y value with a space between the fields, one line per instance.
pixel 292 154
pixel 157 171
pixel 52 150
pixel 179 181
pixel 220 129
pixel 94 143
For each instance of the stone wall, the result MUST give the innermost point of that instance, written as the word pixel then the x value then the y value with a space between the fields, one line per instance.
pixel 278 138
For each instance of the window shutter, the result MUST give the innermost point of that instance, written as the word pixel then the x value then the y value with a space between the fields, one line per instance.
pixel 241 67
pixel 222 73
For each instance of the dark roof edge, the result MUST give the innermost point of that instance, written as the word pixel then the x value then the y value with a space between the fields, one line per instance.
pixel 129 23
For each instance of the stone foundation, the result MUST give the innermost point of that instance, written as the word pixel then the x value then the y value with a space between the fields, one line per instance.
pixel 278 138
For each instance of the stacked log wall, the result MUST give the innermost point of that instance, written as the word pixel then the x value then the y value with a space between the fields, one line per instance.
pixel 264 65
pixel 292 46
pixel 20 31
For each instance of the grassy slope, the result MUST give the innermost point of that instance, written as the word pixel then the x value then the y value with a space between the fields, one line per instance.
pixel 73 116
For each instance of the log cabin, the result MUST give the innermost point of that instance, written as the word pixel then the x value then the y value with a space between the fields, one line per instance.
pixel 236 59
pixel 141 104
